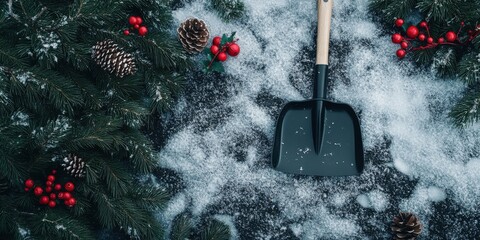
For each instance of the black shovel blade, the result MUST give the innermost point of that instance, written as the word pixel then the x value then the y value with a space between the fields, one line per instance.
pixel 340 152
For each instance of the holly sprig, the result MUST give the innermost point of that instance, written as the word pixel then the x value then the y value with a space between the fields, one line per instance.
pixel 213 63
pixel 418 37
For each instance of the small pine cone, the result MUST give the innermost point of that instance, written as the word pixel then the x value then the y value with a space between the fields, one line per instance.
pixel 193 33
pixel 406 226
pixel 113 59
pixel 74 166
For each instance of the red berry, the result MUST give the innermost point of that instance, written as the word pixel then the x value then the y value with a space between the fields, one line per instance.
pixel 139 20
pixel 222 57
pixel 412 32
pixel 132 20
pixel 52 204
pixel 71 202
pixel 451 36
pixel 51 178
pixel 136 26
pixel 54 171
pixel 214 49
pixel 421 37
pixel 397 38
pixel 57 187
pixel 430 40
pixel 48 189
pixel 38 191
pixel 44 200
pixel 126 32
pixel 441 40
pixel 29 183
pixel 233 50
pixel 423 24
pixel 399 22
pixel 69 186
pixel 404 45
pixel 67 195
pixel 48 183
pixel 61 195
pixel 217 40
pixel 401 53
pixel 53 196
pixel 26 189
pixel 142 31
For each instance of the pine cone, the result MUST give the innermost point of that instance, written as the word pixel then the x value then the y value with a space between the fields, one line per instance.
pixel 193 34
pixel 406 226
pixel 113 59
pixel 74 166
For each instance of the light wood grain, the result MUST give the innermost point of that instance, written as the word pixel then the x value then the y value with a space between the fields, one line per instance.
pixel 323 30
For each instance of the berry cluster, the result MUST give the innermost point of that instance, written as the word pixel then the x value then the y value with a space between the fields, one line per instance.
pixel 416 39
pixel 221 48
pixel 135 23
pixel 52 191
pixel 220 51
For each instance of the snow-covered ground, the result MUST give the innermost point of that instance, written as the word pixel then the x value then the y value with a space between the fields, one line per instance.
pixel 220 134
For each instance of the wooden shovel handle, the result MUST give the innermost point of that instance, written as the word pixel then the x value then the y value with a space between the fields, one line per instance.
pixel 323 30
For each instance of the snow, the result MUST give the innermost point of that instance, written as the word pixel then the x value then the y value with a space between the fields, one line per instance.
pixel 20 119
pixel 60 227
pixel 23 232
pixel 374 199
pixel 220 134
pixel 26 77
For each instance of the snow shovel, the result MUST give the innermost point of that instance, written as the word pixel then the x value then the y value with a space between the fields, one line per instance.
pixel 319 137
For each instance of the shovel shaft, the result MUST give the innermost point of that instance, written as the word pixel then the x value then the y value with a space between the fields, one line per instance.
pixel 321 71
pixel 323 30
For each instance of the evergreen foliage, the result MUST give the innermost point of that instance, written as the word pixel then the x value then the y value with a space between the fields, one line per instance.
pixel 461 62
pixel 184 228
pixel 229 10
pixel 54 100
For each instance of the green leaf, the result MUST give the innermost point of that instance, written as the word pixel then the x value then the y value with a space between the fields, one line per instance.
pixel 224 39
pixel 217 67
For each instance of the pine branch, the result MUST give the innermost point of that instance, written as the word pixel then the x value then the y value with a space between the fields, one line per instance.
pixel 439 11
pixel 467 110
pixel 10 58
pixel 12 168
pixel 116 177
pixel 150 198
pixel 61 226
pixel 181 227
pixel 391 9
pixel 133 113
pixel 139 151
pixel 164 52
pixel 125 214
pixel 7 214
pixel 469 68
pixel 216 231
pixel 445 62
pixel 100 131
pixel 228 10
pixel 62 93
